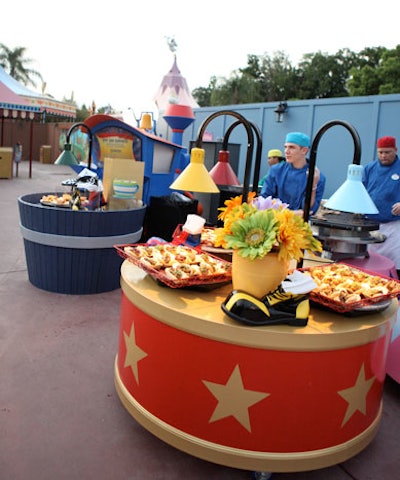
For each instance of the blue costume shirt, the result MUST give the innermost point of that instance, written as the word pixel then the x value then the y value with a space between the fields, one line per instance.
pixel 289 185
pixel 383 185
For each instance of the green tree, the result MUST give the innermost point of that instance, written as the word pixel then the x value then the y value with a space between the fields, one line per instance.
pixel 202 95
pixel 275 76
pixel 372 71
pixel 82 113
pixel 263 79
pixel 364 81
pixel 378 72
pixel 364 75
pixel 321 76
pixel 235 90
pixel 371 56
pixel 16 65
pixel 389 72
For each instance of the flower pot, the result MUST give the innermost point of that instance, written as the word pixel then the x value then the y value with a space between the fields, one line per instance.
pixel 259 276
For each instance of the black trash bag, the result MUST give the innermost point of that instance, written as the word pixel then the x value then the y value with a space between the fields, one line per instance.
pixel 165 213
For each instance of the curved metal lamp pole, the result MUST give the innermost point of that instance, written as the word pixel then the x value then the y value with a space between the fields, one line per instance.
pixel 313 158
pixel 250 143
pixel 90 134
pixel 256 130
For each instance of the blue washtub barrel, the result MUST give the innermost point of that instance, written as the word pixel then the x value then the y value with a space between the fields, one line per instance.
pixel 71 251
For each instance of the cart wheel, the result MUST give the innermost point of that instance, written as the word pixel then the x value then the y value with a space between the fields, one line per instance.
pixel 261 475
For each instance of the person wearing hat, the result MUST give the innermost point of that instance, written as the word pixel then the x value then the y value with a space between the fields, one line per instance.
pixel 274 156
pixel 288 180
pixel 381 179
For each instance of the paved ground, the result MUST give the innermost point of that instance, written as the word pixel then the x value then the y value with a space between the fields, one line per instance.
pixel 60 417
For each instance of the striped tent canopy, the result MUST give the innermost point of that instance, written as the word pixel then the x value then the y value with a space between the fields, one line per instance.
pixel 16 100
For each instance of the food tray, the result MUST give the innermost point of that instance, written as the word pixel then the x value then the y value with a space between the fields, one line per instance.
pixel 61 201
pixel 206 240
pixel 206 243
pixel 167 256
pixel 342 277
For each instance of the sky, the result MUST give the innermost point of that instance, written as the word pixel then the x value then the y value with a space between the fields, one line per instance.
pixel 117 53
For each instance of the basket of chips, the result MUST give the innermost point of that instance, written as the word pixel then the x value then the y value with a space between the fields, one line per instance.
pixel 177 265
pixel 344 288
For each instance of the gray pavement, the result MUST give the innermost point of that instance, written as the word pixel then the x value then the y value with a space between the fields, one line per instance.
pixel 60 417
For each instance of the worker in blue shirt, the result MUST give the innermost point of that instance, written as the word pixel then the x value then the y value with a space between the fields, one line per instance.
pixel 381 179
pixel 274 157
pixel 288 180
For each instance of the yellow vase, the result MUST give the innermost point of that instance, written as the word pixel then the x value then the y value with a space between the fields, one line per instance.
pixel 259 276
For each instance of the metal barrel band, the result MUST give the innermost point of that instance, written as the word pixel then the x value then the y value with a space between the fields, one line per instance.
pixel 70 241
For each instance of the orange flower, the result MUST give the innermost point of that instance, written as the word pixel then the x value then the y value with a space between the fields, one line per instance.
pixel 233 211
pixel 232 204
pixel 294 235
pixel 270 222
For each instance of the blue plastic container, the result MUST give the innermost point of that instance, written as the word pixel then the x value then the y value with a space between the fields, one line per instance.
pixel 71 251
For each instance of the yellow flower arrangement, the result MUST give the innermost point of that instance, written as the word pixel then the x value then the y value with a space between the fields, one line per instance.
pixel 263 225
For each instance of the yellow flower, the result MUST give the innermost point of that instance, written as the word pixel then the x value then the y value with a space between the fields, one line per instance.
pixel 294 235
pixel 234 207
pixel 253 229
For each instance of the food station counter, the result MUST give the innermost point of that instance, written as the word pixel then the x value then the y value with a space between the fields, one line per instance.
pixel 267 398
pixel 384 266
pixel 346 237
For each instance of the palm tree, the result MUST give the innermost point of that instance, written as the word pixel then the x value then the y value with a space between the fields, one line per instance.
pixel 15 64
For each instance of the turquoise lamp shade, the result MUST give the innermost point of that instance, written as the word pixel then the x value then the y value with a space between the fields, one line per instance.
pixel 352 196
pixel 66 157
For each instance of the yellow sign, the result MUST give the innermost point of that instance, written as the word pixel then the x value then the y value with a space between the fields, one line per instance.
pixel 116 146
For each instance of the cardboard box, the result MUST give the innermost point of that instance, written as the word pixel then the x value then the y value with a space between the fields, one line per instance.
pixel 45 154
pixel 6 162
pixel 122 168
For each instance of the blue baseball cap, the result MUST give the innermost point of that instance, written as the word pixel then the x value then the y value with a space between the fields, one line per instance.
pixel 298 138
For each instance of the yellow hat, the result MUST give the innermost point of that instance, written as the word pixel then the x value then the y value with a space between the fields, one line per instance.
pixel 275 153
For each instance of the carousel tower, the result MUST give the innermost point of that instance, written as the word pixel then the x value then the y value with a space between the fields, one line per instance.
pixel 174 100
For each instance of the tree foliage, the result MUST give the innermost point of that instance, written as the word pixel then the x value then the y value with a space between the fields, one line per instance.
pixel 16 64
pixel 265 78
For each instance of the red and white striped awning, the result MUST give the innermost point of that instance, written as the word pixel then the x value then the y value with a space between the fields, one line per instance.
pixel 15 97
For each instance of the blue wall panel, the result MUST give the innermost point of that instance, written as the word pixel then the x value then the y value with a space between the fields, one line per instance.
pixel 372 117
